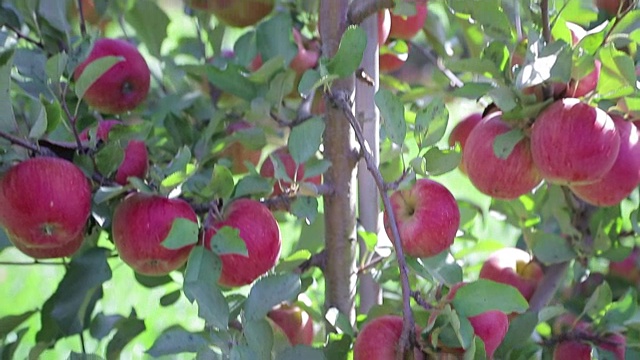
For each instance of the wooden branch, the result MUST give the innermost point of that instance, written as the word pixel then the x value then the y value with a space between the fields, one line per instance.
pixel 20 142
pixel 362 9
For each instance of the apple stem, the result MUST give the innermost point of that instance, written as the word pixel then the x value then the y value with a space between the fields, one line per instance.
pixel 360 10
pixel 406 342
pixel 35 262
pixel 20 142
pixel 83 25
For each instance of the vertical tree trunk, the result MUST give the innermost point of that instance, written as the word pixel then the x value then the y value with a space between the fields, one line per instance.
pixel 339 148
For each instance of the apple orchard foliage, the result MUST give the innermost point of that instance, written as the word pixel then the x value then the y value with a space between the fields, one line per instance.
pixel 199 136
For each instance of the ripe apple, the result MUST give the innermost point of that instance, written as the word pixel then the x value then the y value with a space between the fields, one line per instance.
pixel 574 143
pixel 406 27
pixel 585 85
pixel 629 268
pixel 136 158
pixel 499 178
pixel 461 132
pixel 294 322
pixel 295 172
pixel 384 26
pixel 46 203
pixel 125 85
pixel 378 339
pixel 238 152
pixel 623 177
pixel 572 349
pixel 261 235
pixel 390 61
pixel 616 343
pixel 141 222
pixel 612 7
pixel 427 216
pixel 238 13
pixel 515 267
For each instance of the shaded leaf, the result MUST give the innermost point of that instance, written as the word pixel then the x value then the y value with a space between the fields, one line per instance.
pixel 227 240
pixel 392 112
pixel 200 285
pixel 305 139
pixel 349 56
pixel 484 295
pixel 93 72
pixel 177 340
pixel 270 291
pixel 183 232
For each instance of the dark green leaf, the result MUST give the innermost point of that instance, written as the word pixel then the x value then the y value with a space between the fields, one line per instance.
pixel 621 310
pixel 200 284
pixel 392 112
pixel 177 340
pixel 617 74
pixel 10 322
pixel 338 346
pixel 179 161
pixel 150 23
pixel 170 298
pixel 222 184
pixel 305 139
pixel 40 125
pixel 349 56
pixel 93 71
pixel 431 123
pixel 227 240
pixel 438 162
pixel 106 193
pixel 251 185
pixel 520 329
pixel 305 208
pixel 600 298
pixel 54 12
pixel 127 330
pixel 270 291
pixel 301 352
pixel 484 295
pixel 109 158
pixel 231 80
pixel 259 335
pixel 183 232
pixel 551 248
pixel 153 281
pixel 81 356
pixel 273 38
pixel 504 144
pixel 8 349
pixel 7 117
pixel 101 325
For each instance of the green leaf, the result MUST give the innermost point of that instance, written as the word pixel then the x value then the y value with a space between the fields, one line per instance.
pixel 551 248
pixel 293 261
pixel 152 281
pixel 231 79
pixel 222 183
pixel 618 312
pixel 177 340
pixel 54 68
pixel 305 208
pixel 349 56
pixel 183 232
pixel 369 238
pixel 227 240
pixel 93 71
pixel 490 16
pixel 600 298
pixel 106 193
pixel 392 112
pixel 128 329
pixel 179 162
pixel 150 23
pixel 53 113
pixel 40 126
pixel 8 349
pixel 438 162
pixel 310 80
pixel 7 118
pixel 444 271
pixel 102 325
pixel 484 295
pixel 109 158
pixel 259 335
pixel 54 12
pixel 431 123
pixel 273 38
pixel 305 139
pixel 520 329
pixel 170 298
pixel 617 74
pixel 504 144
pixel 270 291
pixel 200 284
pixel 10 322
pixel 302 352
pixel 251 185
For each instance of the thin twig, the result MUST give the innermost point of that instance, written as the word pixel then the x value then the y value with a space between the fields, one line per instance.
pixel 546 28
pixel 318 260
pixel 36 262
pixel 362 9
pixel 83 25
pixel 20 142
pixel 24 37
pixel 71 117
pixel 407 339
pixel 372 263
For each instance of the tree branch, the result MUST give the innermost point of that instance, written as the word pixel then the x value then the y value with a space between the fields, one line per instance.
pixel 362 9
pixel 20 142
pixel 83 24
pixel 24 37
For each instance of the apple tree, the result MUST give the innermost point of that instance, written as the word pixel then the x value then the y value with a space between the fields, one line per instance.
pixel 320 179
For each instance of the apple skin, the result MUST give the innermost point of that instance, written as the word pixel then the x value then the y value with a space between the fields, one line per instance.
pixel 616 343
pixel 306 58
pixel 378 339
pixel 295 172
pixel 237 152
pixel 141 222
pixel 407 27
pixel 389 61
pixel 136 157
pixel 460 134
pixel 261 235
pixel 499 178
pixel 427 216
pixel 587 84
pixel 574 143
pixel 623 177
pixel 46 202
pixel 384 26
pixel 573 350
pixel 237 13
pixel 294 322
pixel 513 266
pixel 611 6
pixel 125 85
pixel 629 268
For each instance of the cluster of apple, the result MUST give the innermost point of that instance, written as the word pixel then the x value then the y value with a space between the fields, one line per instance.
pixel 394 29
pixel 379 338
pixel 576 339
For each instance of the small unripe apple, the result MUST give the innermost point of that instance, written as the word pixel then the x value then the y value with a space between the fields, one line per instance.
pixel 515 267
pixel 623 177
pixel 572 349
pixel 136 157
pixel 125 85
pixel 238 152
pixel 629 268
pixel 294 171
pixel 461 132
pixel 406 27
pixel 574 143
pixel 427 216
pixel 261 235
pixel 141 222
pixel 46 203
pixel 384 26
pixel 499 178
pixel 379 338
pixel 238 13
pixel 294 322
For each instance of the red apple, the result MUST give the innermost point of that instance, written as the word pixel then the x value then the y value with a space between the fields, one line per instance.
pixel 238 13
pixel 427 217
pixel 136 158
pixel 261 235
pixel 515 267
pixel 294 322
pixel 379 338
pixel 238 152
pixel 461 132
pixel 384 26
pixel 623 177
pixel 499 178
pixel 390 61
pixel 46 203
pixel 613 6
pixel 306 58
pixel 587 84
pixel 572 349
pixel 294 171
pixel 629 268
pixel 406 27
pixel 615 343
pixel 574 143
pixel 141 222
pixel 125 85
